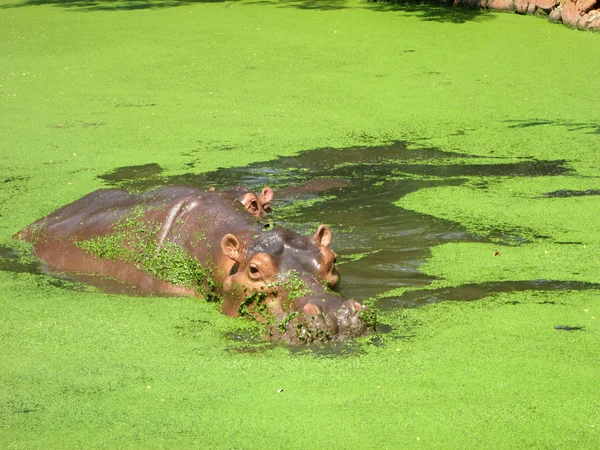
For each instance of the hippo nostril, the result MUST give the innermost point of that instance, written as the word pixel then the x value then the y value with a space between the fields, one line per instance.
pixel 312 309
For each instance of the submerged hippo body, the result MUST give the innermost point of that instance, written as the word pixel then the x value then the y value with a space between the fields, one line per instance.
pixel 186 241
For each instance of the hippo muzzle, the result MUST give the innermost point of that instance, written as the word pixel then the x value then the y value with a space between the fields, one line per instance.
pixel 299 309
pixel 326 318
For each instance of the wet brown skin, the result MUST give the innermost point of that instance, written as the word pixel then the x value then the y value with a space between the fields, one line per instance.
pixel 275 275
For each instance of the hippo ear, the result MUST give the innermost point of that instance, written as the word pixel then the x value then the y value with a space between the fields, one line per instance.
pixel 212 188
pixel 232 247
pixel 250 202
pixel 266 195
pixel 323 236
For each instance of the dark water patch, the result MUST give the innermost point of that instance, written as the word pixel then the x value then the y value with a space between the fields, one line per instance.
pixel 132 173
pixel 353 191
pixel 568 328
pixel 69 284
pixel 471 292
pixel 513 235
pixel 430 11
pixel 385 163
pixel 13 260
pixel 134 105
pixel 191 328
pixel 249 341
pixel 13 179
pixel 589 127
pixel 565 193
pixel 19 261
pixel 530 168
pixel 19 407
pixel 330 350
pixel 110 5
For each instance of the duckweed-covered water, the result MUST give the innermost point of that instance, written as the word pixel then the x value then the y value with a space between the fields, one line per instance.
pixel 486 219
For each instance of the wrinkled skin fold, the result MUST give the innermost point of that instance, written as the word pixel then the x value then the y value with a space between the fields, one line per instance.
pixel 188 241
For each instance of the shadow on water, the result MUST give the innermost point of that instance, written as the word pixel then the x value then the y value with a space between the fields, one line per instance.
pixel 471 292
pixel 433 10
pixel 380 246
pixel 588 127
pixel 12 260
pixel 18 261
pixel 110 5
pixel 565 193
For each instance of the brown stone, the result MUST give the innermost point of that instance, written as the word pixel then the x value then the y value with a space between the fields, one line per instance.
pixel 555 15
pixel 569 14
pixel 590 20
pixel 595 24
pixel 546 5
pixel 521 6
pixel 501 5
pixel 584 6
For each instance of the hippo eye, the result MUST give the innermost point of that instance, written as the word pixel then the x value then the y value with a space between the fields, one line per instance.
pixel 254 272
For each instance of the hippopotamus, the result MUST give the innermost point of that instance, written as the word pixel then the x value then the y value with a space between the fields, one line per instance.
pixel 188 241
pixel 256 204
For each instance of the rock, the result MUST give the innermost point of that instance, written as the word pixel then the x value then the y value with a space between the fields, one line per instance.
pixel 501 5
pixel 575 13
pixel 555 15
pixel 525 6
pixel 546 5
pixel 521 6
pixel 591 20
pixel 595 25
pixel 584 6
pixel 569 14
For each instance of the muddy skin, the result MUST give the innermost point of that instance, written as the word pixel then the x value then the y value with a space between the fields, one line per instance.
pixel 188 241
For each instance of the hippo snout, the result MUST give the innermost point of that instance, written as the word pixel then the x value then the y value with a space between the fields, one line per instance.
pixel 322 319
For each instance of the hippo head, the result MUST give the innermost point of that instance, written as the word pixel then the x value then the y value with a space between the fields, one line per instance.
pixel 256 204
pixel 289 282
